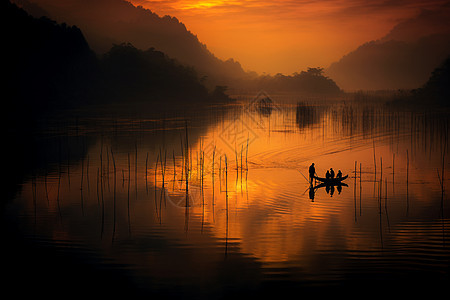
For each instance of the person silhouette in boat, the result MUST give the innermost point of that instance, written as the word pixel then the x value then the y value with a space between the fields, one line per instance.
pixel 339 174
pixel 312 172
pixel 328 175
pixel 331 173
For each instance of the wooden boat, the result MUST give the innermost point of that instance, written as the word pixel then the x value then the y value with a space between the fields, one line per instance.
pixel 335 180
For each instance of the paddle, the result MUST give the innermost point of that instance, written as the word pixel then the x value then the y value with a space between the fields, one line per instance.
pixel 304 176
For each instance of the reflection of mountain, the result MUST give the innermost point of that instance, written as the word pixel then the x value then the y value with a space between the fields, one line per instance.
pixel 403 59
pixel 105 22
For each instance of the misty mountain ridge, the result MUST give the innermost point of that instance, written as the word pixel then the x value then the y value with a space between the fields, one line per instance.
pixel 426 23
pixel 403 59
pixel 435 93
pixel 437 88
pixel 108 22
pixel 51 66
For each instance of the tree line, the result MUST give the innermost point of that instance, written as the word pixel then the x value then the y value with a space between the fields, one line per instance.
pixel 51 65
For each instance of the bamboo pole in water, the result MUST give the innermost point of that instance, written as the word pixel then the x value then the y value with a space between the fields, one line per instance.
pixel 45 185
pixel 246 156
pixel 182 157
pixel 407 181
pixel 213 156
pixel 407 167
pixel 213 213
pixel 242 150
pixel 381 167
pixel 101 159
pixel 374 160
pixel 114 195
pixel 354 192
pixel 146 166
pixel 385 194
pixel 107 169
pixel 82 173
pixel 87 173
pixel 235 152
pixel 146 175
pixel 135 169
pixel 155 184
pixel 174 168
pixel 129 165
pixel 393 165
pixel 202 162
pixel 443 167
pixel 226 174
pixel 98 195
pixel 187 165
pixel 360 187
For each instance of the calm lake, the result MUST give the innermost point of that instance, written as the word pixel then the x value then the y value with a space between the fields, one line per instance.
pixel 215 202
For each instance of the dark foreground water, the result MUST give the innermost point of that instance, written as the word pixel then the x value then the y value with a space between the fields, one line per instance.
pixel 214 203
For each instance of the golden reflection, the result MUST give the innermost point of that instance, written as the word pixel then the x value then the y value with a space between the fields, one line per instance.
pixel 244 181
pixel 264 202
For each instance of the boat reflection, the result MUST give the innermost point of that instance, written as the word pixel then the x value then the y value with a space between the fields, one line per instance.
pixel 330 188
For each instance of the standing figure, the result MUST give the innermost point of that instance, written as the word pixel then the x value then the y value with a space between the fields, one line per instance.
pixel 331 173
pixel 328 175
pixel 312 172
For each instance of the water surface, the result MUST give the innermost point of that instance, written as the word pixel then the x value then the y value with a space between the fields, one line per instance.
pixel 108 206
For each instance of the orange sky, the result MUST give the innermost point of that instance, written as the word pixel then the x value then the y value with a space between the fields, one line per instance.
pixel 287 36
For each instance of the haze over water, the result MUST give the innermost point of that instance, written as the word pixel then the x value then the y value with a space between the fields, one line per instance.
pixel 245 218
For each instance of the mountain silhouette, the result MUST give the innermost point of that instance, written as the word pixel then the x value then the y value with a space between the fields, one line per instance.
pixel 403 59
pixel 426 23
pixel 47 63
pixel 51 66
pixel 435 93
pixel 437 89
pixel 108 22
pixel 147 76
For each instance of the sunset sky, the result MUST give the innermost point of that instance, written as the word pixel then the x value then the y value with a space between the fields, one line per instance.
pixel 287 36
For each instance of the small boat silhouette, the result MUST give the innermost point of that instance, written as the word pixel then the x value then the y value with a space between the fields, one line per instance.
pixel 330 181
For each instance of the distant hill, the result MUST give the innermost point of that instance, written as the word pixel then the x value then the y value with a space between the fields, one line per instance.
pixel 403 59
pixel 51 65
pixel 311 82
pixel 426 23
pixel 435 93
pixel 437 88
pixel 108 22
pixel 129 74
pixel 46 63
